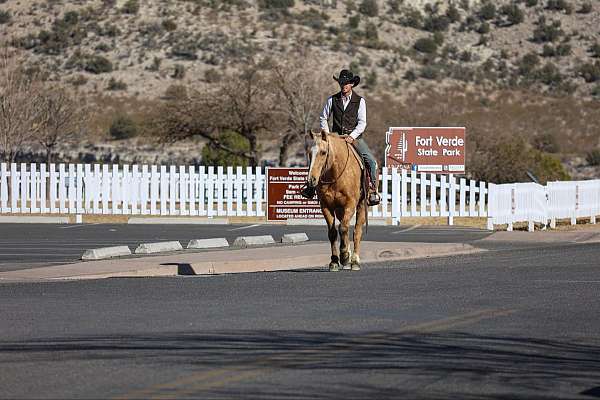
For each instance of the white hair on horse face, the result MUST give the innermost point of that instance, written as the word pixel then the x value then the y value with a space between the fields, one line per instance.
pixel 313 151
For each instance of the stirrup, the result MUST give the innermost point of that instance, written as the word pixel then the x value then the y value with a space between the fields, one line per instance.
pixel 373 199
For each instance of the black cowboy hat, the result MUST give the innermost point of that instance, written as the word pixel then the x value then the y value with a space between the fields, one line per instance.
pixel 347 77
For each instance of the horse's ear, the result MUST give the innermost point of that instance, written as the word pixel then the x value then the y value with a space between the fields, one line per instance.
pixel 324 134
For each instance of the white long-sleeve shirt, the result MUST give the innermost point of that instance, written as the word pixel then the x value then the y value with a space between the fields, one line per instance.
pixel 362 115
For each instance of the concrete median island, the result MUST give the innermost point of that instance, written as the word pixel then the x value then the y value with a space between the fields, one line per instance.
pixel 311 255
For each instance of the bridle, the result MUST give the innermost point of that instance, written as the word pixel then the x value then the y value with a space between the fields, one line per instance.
pixel 324 169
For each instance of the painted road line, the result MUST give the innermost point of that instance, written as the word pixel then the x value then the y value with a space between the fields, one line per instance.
pixel 244 227
pixel 78 226
pixel 407 229
pixel 197 381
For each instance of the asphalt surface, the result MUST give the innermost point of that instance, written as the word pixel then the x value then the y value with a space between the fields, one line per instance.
pixel 25 246
pixel 511 323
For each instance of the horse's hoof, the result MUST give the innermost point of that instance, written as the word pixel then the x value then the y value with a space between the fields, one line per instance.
pixel 345 258
pixel 355 267
pixel 334 267
pixel 346 267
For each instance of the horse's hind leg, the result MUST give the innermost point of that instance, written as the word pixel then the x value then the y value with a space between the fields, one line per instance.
pixel 358 230
pixel 344 238
pixel 334 265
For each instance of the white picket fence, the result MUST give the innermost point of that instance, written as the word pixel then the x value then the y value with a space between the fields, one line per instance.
pixel 211 192
pixel 530 202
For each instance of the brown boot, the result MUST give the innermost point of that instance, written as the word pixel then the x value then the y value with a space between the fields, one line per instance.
pixel 373 199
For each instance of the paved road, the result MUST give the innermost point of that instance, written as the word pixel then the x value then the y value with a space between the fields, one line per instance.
pixel 504 324
pixel 26 246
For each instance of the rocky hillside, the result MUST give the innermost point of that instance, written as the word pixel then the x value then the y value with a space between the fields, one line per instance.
pixel 134 50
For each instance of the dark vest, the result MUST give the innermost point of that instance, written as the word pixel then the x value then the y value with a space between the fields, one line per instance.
pixel 344 121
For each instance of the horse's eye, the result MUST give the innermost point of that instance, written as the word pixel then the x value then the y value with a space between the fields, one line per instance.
pixel 323 152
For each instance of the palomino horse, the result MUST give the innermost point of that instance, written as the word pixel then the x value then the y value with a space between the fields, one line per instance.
pixel 335 172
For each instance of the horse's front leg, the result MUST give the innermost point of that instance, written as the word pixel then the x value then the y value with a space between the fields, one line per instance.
pixel 358 231
pixel 334 265
pixel 345 237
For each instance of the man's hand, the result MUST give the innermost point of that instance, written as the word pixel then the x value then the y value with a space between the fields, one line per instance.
pixel 349 139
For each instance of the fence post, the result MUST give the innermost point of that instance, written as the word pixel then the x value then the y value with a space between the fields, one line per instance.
pixel 24 186
pixel 513 206
pixel 43 190
pixel 451 199
pixel 574 216
pixel 395 197
pixel 33 192
pixel 490 206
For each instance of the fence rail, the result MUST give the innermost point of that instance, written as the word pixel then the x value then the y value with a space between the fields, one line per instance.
pixel 210 191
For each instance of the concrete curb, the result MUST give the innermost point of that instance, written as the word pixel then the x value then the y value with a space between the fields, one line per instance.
pixel 177 220
pixel 207 243
pixel 312 255
pixel 292 238
pixel 33 220
pixel 106 252
pixel 247 241
pixel 159 247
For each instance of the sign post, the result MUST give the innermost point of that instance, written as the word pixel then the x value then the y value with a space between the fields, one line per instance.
pixel 283 195
pixel 437 150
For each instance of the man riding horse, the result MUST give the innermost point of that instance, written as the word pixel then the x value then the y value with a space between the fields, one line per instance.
pixel 349 113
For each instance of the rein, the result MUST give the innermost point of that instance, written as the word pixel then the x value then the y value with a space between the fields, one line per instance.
pixel 325 169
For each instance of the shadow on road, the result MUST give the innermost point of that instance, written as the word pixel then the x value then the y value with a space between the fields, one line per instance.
pixel 367 365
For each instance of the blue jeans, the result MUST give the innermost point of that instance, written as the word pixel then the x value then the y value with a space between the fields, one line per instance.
pixel 363 149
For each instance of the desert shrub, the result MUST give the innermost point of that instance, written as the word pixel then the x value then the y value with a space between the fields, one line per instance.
pixel 453 14
pixel 5 17
pixel 508 159
pixel 487 11
pixel 410 75
pixel 546 142
pixel 131 7
pixel 559 5
pixel 547 32
pixel 354 21
pixel 368 8
pixel 431 72
pixel 413 18
pixel 549 74
pixel 596 92
pixel 547 167
pixel 514 15
pixel 595 50
pixel 313 19
pixel 426 45
pixel 531 3
pixel 586 8
pixel 436 23
pixel 590 72
pixel 483 28
pixel 593 157
pixel 465 56
pixel 123 127
pixel 371 31
pixel 78 80
pixel 115 84
pixel 213 155
pixel 178 72
pixel 394 6
pixel 97 64
pixel 169 25
pixel 275 4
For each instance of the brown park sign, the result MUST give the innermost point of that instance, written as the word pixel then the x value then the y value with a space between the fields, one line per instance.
pixel 283 195
pixel 440 150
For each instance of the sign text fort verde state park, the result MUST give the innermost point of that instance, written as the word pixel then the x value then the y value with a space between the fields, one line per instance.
pixel 437 149
pixel 283 195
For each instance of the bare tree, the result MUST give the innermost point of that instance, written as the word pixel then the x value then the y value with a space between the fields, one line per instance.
pixel 20 104
pixel 302 88
pixel 242 103
pixel 63 119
